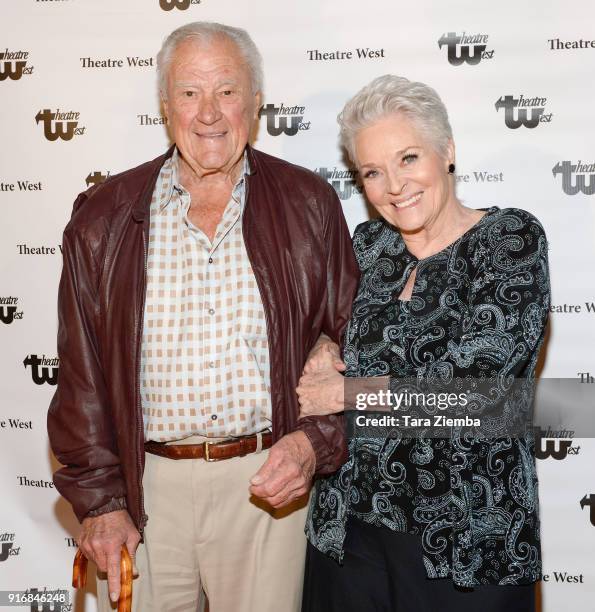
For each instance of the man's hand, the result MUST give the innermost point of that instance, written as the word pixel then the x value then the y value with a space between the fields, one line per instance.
pixel 318 357
pixel 101 540
pixel 287 472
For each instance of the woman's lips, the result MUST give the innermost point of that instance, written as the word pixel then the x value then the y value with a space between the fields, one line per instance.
pixel 411 201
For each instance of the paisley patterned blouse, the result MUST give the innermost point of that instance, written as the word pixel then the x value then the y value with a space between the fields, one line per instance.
pixel 478 311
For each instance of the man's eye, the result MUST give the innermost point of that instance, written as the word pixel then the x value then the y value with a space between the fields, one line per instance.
pixel 227 92
pixel 188 94
pixel 410 157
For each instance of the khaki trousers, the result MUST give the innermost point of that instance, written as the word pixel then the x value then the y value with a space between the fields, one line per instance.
pixel 205 533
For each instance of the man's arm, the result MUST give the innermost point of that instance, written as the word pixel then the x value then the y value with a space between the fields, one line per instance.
pixel 327 433
pixel 79 423
pixel 318 444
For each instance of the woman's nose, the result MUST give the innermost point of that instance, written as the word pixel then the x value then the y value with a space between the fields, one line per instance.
pixel 396 183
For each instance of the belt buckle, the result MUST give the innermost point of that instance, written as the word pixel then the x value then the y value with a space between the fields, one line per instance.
pixel 207 452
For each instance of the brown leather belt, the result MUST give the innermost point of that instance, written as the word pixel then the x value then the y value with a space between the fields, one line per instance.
pixel 210 451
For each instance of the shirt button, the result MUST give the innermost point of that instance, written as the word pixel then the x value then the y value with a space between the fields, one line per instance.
pixel 211 311
pixel 210 260
pixel 214 417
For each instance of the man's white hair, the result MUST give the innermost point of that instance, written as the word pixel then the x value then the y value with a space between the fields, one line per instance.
pixel 390 94
pixel 206 31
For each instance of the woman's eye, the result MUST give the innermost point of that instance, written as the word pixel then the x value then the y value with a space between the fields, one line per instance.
pixel 410 157
pixel 370 174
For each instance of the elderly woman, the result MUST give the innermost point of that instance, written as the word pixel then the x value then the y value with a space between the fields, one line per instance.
pixel 447 293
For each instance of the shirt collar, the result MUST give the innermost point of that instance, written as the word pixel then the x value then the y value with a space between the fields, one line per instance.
pixel 171 167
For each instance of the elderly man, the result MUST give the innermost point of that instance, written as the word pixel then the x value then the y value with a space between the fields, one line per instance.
pixel 193 288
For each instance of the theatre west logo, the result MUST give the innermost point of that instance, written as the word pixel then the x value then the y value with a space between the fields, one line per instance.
pixel 554 444
pixel 288 120
pixel 344 182
pixel 576 178
pixel 13 64
pixel 589 500
pixel 529 112
pixel 465 48
pixel 59 124
pixel 96 177
pixel 181 5
pixel 43 369
pixel 9 309
pixel 7 546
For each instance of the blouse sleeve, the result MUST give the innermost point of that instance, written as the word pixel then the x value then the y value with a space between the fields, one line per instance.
pixel 503 324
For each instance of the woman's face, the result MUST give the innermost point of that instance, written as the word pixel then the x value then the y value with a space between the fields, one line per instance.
pixel 405 179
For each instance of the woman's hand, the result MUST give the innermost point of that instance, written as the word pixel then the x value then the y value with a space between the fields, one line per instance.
pixel 318 358
pixel 320 390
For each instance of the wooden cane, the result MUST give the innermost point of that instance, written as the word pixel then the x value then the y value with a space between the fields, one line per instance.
pixel 79 577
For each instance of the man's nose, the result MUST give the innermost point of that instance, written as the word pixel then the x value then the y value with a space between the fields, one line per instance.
pixel 208 111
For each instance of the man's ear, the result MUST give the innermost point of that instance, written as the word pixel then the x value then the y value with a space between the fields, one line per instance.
pixel 164 104
pixel 257 103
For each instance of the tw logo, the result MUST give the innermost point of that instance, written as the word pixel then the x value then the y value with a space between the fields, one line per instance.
pixel 471 49
pixel 7 548
pixel 13 65
pixel 182 5
pixel 589 500
pixel 554 448
pixel 43 370
pixel 59 125
pixel 344 182
pixel 9 313
pixel 579 171
pixel 288 120
pixel 95 178
pixel 529 111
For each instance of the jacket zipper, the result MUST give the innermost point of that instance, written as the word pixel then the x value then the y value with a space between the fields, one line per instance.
pixel 143 516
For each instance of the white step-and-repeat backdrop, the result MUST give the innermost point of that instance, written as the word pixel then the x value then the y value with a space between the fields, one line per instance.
pixel 79 103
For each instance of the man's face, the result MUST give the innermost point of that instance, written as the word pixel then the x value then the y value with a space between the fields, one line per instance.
pixel 210 104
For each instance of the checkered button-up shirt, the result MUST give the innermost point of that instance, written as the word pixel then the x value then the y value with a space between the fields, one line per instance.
pixel 205 360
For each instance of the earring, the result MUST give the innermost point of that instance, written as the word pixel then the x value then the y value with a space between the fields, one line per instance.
pixel 451 168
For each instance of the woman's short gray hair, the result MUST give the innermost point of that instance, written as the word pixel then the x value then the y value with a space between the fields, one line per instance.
pixel 206 31
pixel 391 94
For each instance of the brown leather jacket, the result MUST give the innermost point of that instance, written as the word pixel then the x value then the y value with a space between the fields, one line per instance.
pixel 301 254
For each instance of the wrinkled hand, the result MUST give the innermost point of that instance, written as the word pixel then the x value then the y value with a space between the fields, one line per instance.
pixel 321 391
pixel 101 540
pixel 325 352
pixel 287 472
